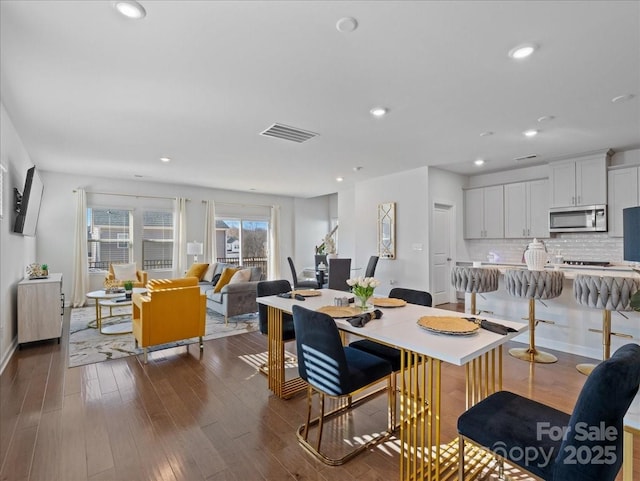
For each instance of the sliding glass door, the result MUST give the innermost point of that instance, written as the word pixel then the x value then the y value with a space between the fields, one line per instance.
pixel 243 242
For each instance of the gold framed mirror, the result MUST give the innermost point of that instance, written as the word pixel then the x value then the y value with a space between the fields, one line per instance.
pixel 387 230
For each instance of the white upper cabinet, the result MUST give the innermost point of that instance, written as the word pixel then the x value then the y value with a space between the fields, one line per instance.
pixel 624 191
pixel 526 209
pixel 579 182
pixel 484 212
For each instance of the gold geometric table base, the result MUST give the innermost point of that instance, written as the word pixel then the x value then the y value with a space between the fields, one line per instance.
pixel 422 455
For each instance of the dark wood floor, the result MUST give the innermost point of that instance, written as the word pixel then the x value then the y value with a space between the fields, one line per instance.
pixel 182 417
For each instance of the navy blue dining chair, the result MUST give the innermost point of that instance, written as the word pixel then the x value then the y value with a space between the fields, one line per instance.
pixel 583 446
pixel 339 272
pixel 391 354
pixel 300 283
pixel 371 266
pixel 335 371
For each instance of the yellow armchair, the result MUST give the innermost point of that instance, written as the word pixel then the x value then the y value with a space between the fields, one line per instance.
pixel 171 310
pixel 140 279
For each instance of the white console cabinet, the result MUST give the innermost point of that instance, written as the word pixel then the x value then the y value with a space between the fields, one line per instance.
pixel 40 308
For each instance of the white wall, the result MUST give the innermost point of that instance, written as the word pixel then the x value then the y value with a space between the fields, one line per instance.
pixel 629 157
pixel 445 188
pixel 509 176
pixel 310 224
pixel 16 251
pixel 57 217
pixel 358 213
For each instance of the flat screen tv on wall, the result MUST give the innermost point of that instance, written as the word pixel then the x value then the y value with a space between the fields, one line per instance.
pixel 28 204
pixel 631 233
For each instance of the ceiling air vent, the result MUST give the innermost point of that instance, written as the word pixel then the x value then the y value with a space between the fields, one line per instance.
pixel 526 157
pixel 288 133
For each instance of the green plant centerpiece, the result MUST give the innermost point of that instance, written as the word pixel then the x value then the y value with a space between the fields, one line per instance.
pixel 362 288
pixel 128 288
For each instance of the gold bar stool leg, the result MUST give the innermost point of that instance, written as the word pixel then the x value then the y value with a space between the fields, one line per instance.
pixel 586 368
pixel 612 293
pixel 530 353
pixel 473 304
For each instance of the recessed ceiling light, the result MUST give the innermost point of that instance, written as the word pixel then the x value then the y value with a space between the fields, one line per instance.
pixel 378 111
pixel 479 162
pixel 347 24
pixel 486 134
pixel 339 179
pixel 622 98
pixel 523 51
pixel 130 9
pixel 165 159
pixel 545 118
pixel 530 133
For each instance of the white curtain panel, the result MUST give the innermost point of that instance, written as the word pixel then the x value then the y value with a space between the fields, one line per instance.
pixel 180 240
pixel 210 253
pixel 80 260
pixel 274 244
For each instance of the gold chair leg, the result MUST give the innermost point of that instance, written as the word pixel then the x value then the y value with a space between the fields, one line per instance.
pixel 321 423
pixel 144 350
pixel 201 343
pixel 305 434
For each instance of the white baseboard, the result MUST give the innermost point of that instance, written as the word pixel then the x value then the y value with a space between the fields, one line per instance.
pixel 7 357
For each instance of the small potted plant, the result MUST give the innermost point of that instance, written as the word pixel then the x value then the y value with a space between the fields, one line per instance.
pixel 44 268
pixel 128 289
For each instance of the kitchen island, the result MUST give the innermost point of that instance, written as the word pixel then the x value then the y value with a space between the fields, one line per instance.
pixel 570 331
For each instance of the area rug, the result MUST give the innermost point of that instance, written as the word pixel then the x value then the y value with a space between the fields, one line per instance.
pixel 87 345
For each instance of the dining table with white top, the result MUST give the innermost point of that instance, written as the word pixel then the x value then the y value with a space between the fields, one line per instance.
pixel 423 351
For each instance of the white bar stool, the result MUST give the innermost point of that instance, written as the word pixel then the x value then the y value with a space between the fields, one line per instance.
pixel 475 280
pixel 533 285
pixel 609 294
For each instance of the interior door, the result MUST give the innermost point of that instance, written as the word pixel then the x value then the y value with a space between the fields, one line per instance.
pixel 441 258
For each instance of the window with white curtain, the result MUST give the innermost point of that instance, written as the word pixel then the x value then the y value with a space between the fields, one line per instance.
pixel 157 240
pixel 127 228
pixel 109 236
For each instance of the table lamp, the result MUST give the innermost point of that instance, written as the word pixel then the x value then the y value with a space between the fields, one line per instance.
pixel 194 249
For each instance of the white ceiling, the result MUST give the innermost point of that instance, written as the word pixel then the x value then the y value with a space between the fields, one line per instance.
pixel 197 81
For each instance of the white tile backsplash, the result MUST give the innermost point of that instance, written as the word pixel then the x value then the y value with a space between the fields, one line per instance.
pixel 582 246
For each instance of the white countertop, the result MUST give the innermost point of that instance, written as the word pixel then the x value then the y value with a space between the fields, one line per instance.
pixel 571 271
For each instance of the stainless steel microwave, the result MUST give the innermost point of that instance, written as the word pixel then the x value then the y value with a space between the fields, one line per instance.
pixel 586 218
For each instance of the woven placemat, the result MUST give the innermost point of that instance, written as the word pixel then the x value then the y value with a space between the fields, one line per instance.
pixel 388 302
pixel 448 325
pixel 340 311
pixel 306 292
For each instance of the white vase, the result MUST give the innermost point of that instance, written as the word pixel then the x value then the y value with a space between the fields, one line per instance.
pixel 536 256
